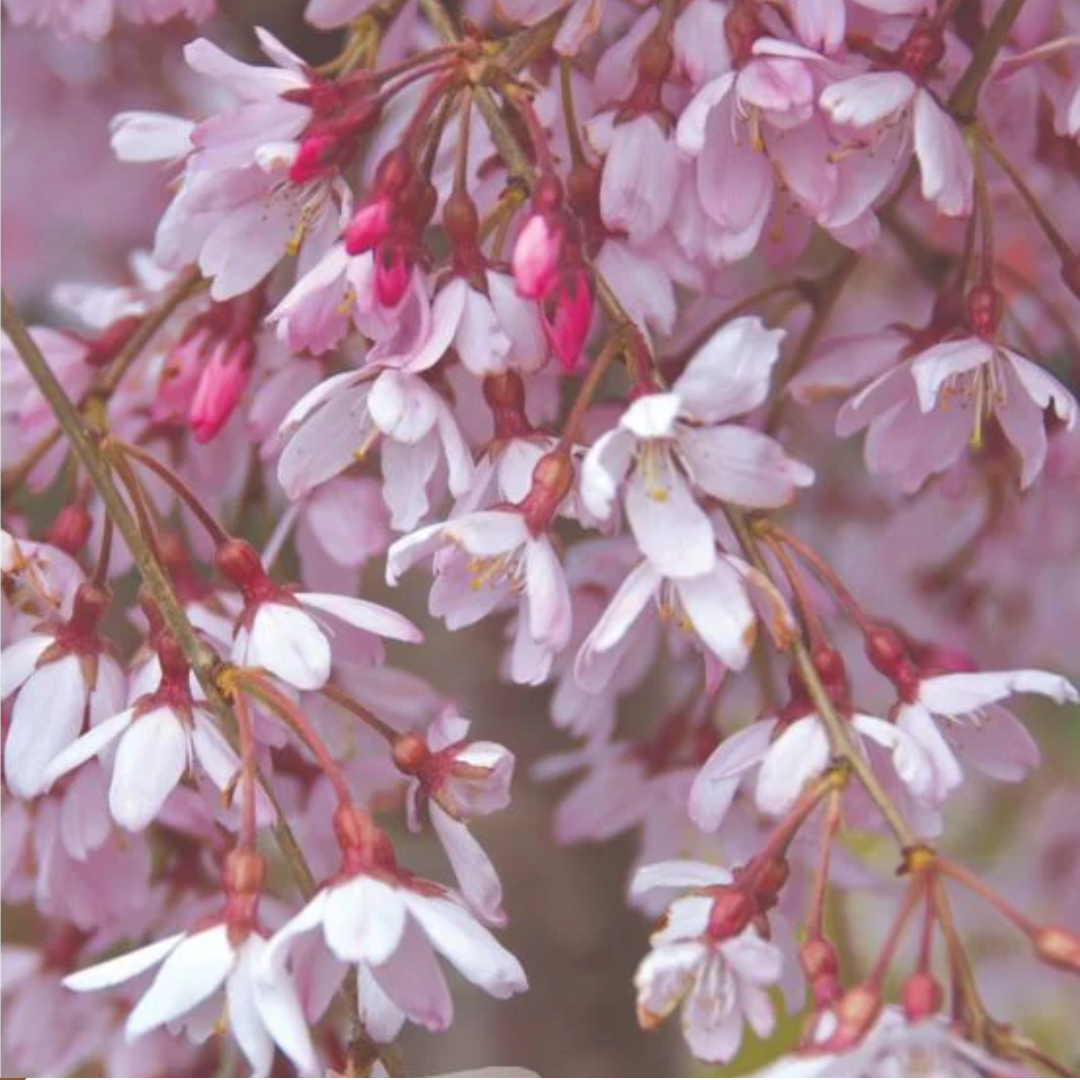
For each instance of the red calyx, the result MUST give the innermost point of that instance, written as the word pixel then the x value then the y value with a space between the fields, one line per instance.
pixel 922 50
pixel 731 913
pixel 364 846
pixel 80 633
pixel 505 396
pixel 742 28
pixel 238 561
pixel 984 310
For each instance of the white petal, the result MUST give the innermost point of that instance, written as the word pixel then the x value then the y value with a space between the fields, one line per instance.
pixel 87 746
pixel 678 874
pixel 718 779
pixel 122 968
pixel 244 1018
pixel 17 662
pixel 382 1019
pixel 470 947
pixel 364 615
pixel 289 644
pixel 652 416
pixel 45 720
pixel 954 695
pixel 150 760
pixel 473 869
pixel 797 756
pixel 364 920
pixel 193 971
pixel 720 611
pixel 280 1011
pixel 604 468
pixel 414 983
pixel 672 531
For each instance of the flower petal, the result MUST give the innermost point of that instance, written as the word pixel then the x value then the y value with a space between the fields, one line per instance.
pixel 192 971
pixel 150 760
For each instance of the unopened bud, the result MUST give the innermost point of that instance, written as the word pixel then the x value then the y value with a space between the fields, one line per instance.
pixel 393 272
pixel 536 255
pixel 1058 947
pixel 318 152
pixel 567 315
pixel 369 226
pixel 220 388
pixel 829 665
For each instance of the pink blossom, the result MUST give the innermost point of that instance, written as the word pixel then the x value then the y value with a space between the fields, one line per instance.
pixel 670 443
pixel 718 608
pixel 64 675
pixel 280 629
pixel 262 1007
pixel 984 733
pixel 390 926
pixel 894 1045
pixel 722 983
pixel 923 414
pixel 458 780
pixel 483 559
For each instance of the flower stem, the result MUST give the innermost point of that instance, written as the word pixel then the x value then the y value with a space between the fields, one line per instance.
pixel 253 683
pixel 350 704
pixel 193 502
pixel 839 735
pixel 965 97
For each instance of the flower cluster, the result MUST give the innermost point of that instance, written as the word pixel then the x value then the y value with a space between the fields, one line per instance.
pixel 564 315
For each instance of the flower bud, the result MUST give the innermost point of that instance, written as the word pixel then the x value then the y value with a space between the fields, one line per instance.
pixel 220 388
pixel 370 226
pixel 393 272
pixel 536 257
pixel 552 479
pixel 1058 947
pixel 567 316
pixel 318 152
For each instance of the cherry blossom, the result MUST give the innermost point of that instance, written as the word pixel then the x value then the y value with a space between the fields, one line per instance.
pixel 558 305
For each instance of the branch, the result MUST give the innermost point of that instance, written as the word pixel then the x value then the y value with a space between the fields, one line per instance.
pixel 965 97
